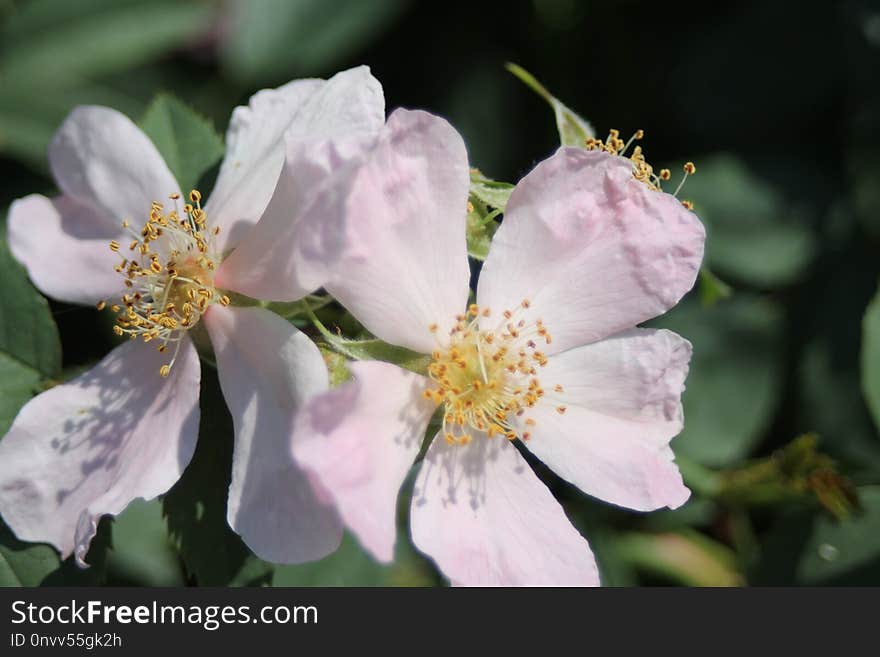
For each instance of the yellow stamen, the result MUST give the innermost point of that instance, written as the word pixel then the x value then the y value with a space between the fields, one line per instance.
pixel 642 171
pixel 485 377
pixel 173 268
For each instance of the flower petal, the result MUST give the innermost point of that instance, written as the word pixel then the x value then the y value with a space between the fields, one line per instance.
pixel 285 256
pixel 101 158
pixel 89 447
pixel 64 245
pixel 593 250
pixel 267 370
pixel 362 440
pixel 637 375
pixel 349 103
pixel 405 266
pixel 620 406
pixel 487 520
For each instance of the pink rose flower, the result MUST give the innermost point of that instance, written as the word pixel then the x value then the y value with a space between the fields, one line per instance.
pixel 548 355
pixel 128 427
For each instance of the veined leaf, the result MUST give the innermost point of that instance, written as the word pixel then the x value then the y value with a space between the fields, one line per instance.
pixel 30 350
pixel 186 140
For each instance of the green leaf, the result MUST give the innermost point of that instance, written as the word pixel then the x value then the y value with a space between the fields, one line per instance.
pixel 30 350
pixel 488 199
pixel 871 357
pixel 187 141
pixel 142 553
pixel 831 396
pixel 36 564
pixel 493 193
pixel 734 385
pixel 350 565
pixel 755 235
pixel 480 226
pixel 30 115
pixel 195 508
pixel 24 564
pixel 844 552
pixel 59 43
pixel 814 549
pixel 271 38
pixel 56 54
pixel 573 130
pixel 23 135
pixel 712 288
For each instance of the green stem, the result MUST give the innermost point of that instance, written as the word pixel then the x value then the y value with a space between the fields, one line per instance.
pixel 289 310
pixel 530 81
pixel 318 324
pixel 488 218
pixel 686 557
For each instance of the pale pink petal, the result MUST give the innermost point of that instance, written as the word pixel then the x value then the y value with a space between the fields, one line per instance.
pixel 487 520
pixel 360 440
pixel 287 254
pixel 593 250
pixel 101 158
pixel 608 458
pixel 350 103
pixel 637 375
pixel 87 448
pixel 405 264
pixel 267 370
pixel 65 247
pixel 253 160
pixel 607 430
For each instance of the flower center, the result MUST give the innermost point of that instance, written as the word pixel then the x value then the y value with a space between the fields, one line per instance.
pixel 486 378
pixel 169 276
pixel 642 171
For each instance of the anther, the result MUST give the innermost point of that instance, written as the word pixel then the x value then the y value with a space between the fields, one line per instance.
pixel 689 170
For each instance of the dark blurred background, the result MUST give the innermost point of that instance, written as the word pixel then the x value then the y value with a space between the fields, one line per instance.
pixel 777 103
